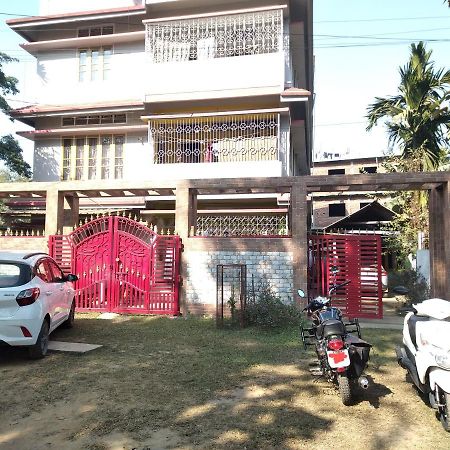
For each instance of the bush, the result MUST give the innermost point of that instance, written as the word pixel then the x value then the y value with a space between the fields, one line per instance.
pixel 413 281
pixel 266 309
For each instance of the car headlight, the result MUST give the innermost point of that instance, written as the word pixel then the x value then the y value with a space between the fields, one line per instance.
pixel 443 360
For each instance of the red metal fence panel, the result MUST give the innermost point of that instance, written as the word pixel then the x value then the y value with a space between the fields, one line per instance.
pixel 122 266
pixel 358 259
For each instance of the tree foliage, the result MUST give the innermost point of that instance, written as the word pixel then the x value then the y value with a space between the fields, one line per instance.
pixel 417 118
pixel 10 151
pixel 418 122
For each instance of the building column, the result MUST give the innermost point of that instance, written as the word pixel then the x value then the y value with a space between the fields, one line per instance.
pixel 185 209
pixel 54 212
pixel 71 213
pixel 439 229
pixel 185 219
pixel 299 227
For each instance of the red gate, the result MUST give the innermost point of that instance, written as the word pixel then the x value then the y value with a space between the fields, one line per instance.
pixel 358 259
pixel 123 267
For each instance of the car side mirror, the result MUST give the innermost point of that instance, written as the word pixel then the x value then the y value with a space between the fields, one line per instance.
pixel 301 293
pixel 71 277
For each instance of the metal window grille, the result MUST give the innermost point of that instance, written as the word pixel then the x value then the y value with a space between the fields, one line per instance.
pixel 215 37
pixel 242 225
pixel 252 137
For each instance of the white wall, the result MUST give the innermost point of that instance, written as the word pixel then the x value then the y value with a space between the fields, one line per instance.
pixel 48 7
pixel 47 160
pixel 138 164
pixel 58 77
pixel 215 75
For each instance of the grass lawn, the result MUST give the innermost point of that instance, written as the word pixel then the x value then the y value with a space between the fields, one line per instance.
pixel 161 383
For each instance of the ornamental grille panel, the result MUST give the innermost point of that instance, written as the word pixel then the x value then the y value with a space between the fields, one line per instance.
pixel 358 259
pixel 215 37
pixel 237 138
pixel 242 225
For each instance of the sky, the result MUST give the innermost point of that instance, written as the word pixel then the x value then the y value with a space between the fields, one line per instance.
pixel 358 45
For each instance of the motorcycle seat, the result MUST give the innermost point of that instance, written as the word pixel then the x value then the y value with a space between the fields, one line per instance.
pixel 412 321
pixel 330 327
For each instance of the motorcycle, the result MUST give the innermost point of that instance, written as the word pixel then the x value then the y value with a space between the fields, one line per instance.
pixel 425 352
pixel 342 356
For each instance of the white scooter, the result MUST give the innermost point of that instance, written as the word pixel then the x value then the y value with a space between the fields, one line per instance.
pixel 425 353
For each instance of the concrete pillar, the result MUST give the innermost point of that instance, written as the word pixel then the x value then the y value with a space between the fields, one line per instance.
pixel 71 213
pixel 185 218
pixel 182 210
pixel 299 224
pixel 54 211
pixel 439 216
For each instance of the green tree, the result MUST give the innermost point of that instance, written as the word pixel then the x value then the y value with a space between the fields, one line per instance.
pixel 417 118
pixel 418 122
pixel 10 151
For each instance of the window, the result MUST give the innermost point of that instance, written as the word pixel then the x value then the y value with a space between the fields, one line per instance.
pixel 336 171
pixel 95 31
pixel 58 275
pixel 14 274
pixel 371 169
pixel 43 272
pixel 336 210
pixel 92 157
pixel 94 64
pixel 94 120
pixel 67 147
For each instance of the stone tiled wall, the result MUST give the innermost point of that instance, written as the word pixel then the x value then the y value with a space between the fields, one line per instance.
pixel 275 267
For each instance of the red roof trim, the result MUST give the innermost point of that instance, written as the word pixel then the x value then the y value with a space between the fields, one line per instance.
pixel 25 20
pixel 37 109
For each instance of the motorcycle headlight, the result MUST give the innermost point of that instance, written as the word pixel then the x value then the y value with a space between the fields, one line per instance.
pixel 443 360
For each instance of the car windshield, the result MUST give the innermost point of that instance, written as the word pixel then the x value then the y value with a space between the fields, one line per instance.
pixel 14 274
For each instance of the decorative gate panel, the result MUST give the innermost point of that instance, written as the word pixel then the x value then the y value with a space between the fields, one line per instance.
pixel 125 267
pixel 358 259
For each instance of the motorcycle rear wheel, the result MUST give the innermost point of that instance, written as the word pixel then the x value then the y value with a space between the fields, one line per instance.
pixel 345 389
pixel 444 411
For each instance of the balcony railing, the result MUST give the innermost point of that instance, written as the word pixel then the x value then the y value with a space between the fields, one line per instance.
pixel 250 137
pixel 215 37
pixel 242 225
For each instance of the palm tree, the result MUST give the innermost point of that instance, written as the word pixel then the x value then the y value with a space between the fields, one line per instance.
pixel 418 118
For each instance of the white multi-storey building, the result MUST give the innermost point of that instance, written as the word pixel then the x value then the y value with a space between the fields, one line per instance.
pixel 130 89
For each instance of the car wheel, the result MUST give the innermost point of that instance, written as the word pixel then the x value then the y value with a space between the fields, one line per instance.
pixel 71 319
pixel 39 350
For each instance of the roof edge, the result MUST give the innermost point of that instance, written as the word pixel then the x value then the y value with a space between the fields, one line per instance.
pixel 26 20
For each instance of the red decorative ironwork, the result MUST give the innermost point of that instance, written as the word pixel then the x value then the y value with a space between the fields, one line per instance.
pixel 123 267
pixel 358 259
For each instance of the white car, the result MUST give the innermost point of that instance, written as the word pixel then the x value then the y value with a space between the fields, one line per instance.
pixel 35 298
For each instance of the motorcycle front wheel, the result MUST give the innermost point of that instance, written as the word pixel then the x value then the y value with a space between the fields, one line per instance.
pixel 444 411
pixel 344 389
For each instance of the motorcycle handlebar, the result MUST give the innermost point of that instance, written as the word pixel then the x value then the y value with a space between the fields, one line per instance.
pixel 337 286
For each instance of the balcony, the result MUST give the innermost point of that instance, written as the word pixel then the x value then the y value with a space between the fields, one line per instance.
pixel 218 146
pixel 216 56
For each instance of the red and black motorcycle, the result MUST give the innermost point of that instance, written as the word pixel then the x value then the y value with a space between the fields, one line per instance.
pixel 341 353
